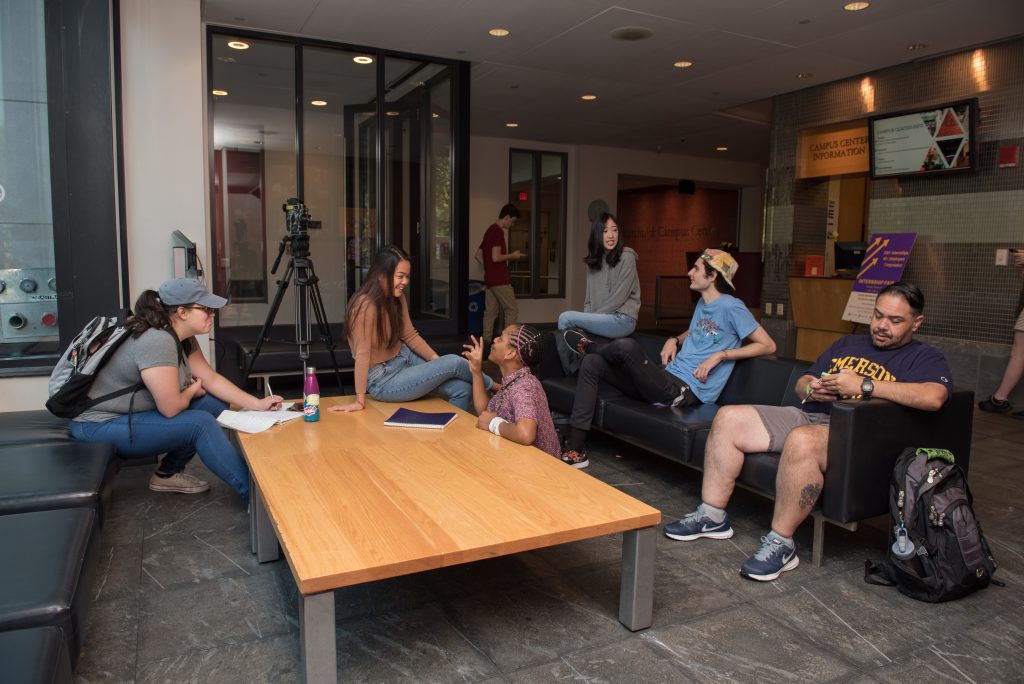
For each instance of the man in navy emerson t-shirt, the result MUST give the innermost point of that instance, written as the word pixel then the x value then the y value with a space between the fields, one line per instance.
pixel 888 363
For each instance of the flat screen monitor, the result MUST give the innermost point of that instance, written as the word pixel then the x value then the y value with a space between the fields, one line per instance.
pixel 923 142
pixel 849 255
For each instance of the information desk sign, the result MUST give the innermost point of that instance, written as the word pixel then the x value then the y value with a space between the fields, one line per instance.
pixel 883 264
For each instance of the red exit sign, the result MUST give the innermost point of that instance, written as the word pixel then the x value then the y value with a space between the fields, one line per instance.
pixel 524 197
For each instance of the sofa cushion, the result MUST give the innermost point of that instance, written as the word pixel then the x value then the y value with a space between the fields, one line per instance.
pixel 48 567
pixel 667 431
pixel 764 380
pixel 31 427
pixel 47 476
pixel 35 656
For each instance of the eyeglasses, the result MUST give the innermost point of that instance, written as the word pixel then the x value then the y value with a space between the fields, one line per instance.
pixel 209 311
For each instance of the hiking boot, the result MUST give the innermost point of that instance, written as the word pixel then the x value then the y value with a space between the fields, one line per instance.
pixel 771 560
pixel 993 405
pixel 576 340
pixel 696 525
pixel 577 459
pixel 182 483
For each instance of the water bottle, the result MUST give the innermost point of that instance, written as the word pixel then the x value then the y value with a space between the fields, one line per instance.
pixel 311 396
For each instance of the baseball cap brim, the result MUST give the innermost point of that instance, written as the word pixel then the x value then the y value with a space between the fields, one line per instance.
pixel 211 300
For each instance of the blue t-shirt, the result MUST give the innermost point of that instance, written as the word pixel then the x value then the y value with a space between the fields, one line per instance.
pixel 715 327
pixel 913 362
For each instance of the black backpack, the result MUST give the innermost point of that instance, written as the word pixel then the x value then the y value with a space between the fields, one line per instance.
pixel 937 551
pixel 77 367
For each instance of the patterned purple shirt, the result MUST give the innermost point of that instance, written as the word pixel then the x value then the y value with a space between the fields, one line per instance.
pixel 520 395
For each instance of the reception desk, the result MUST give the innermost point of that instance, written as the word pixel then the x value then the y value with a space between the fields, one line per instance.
pixel 817 305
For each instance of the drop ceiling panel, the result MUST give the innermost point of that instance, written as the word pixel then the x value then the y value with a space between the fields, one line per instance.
pixel 271 15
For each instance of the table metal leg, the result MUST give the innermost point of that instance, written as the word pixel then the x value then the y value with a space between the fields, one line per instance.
pixel 316 637
pixel 636 590
pixel 252 514
pixel 264 537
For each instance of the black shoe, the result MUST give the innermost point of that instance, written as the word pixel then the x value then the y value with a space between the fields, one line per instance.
pixel 993 405
pixel 576 340
pixel 577 459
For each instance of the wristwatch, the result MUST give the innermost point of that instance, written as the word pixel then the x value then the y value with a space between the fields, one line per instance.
pixel 867 387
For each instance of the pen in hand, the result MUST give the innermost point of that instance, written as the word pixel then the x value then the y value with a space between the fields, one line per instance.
pixel 270 392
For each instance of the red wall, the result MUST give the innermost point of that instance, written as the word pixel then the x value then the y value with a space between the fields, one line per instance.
pixel 662 224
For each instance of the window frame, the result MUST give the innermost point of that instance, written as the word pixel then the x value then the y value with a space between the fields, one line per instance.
pixel 534 235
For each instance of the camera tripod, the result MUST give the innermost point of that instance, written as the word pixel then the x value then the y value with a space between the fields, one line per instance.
pixel 307 296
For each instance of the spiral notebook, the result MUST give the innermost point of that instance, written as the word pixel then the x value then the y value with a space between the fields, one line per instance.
pixel 404 417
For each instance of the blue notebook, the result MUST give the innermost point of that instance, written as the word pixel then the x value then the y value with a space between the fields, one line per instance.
pixel 404 417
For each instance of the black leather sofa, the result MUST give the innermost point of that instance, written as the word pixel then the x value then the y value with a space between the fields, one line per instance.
pixel 864 440
pixel 54 494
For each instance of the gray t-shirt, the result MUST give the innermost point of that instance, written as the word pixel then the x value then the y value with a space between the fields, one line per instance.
pixel 150 349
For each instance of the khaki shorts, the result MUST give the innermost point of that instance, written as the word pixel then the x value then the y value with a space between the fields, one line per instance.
pixel 779 421
pixel 1019 325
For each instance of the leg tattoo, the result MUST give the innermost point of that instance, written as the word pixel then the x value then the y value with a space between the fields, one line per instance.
pixel 808 495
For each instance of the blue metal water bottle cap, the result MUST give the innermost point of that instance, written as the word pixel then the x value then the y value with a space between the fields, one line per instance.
pixel 902 548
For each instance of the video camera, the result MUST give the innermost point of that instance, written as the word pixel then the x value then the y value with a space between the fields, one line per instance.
pixel 296 216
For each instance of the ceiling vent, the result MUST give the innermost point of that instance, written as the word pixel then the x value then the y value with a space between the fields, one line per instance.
pixel 632 33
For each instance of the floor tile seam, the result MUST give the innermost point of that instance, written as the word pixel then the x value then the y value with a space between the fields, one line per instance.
pixel 449 616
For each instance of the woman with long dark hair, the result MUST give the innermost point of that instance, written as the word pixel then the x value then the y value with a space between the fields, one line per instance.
pixel 392 361
pixel 612 303
pixel 176 410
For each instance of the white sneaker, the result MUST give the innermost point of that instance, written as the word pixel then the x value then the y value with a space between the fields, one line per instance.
pixel 182 483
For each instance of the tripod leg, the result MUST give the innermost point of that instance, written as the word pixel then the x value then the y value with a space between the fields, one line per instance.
pixel 317 303
pixel 282 286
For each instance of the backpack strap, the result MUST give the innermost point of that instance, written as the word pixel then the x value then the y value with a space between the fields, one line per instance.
pixel 876 573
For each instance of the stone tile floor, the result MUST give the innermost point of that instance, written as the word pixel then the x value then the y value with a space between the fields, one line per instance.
pixel 180 598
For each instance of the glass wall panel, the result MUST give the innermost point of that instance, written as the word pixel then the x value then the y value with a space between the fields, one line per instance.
pixel 254 172
pixel 537 187
pixel 550 224
pixel 28 286
pixel 339 155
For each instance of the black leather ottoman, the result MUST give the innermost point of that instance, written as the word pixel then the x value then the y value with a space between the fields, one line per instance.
pixel 35 656
pixel 48 570
pixel 51 475
pixel 32 427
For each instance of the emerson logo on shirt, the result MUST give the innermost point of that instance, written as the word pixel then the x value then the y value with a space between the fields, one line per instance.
pixel 861 366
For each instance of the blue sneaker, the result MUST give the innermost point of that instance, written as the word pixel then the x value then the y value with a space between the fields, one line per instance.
pixel 771 560
pixel 696 525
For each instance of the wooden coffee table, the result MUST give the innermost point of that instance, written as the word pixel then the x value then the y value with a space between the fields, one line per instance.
pixel 351 501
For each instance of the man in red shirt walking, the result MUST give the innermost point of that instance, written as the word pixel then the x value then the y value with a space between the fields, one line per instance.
pixel 499 295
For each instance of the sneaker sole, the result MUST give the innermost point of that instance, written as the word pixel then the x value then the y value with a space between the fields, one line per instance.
pixel 580 465
pixel 707 535
pixel 791 565
pixel 180 490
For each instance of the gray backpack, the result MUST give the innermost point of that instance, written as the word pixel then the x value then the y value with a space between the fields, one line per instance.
pixel 937 551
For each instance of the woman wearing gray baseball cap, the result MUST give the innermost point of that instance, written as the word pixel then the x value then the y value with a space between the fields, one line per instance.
pixel 175 410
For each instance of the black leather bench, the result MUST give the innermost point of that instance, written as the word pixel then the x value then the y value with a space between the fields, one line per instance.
pixel 864 439
pixel 32 427
pixel 35 656
pixel 48 570
pixel 52 475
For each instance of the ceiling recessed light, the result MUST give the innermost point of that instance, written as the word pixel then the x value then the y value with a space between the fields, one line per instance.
pixel 917 46
pixel 499 32
pixel 805 74
pixel 721 148
pixel 682 64
pixel 391 113
pixel 856 6
pixel 238 45
pixel 362 59
pixel 318 103
pixel 588 98
pixel 512 124
pixel 219 93
pixel 436 115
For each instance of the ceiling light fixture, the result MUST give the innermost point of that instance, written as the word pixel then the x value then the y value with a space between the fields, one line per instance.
pixel 805 74
pixel 499 32
pixel 219 93
pixel 588 98
pixel 391 113
pixel 238 45
pixel 856 6
pixel 436 115
pixel 722 149
pixel 362 59
pixel 512 124
pixel 683 64
pixel 917 46
pixel 318 103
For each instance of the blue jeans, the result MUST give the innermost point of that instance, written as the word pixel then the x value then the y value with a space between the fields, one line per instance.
pixel 409 376
pixel 194 430
pixel 612 326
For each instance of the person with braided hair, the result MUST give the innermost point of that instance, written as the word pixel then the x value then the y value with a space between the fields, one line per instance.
pixel 519 408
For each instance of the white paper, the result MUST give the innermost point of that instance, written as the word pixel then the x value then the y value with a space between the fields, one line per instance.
pixel 255 421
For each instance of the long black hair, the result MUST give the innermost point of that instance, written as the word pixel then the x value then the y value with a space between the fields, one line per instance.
pixel 595 245
pixel 150 312
pixel 378 291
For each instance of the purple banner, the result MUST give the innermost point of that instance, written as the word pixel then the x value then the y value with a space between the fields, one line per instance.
pixel 883 261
